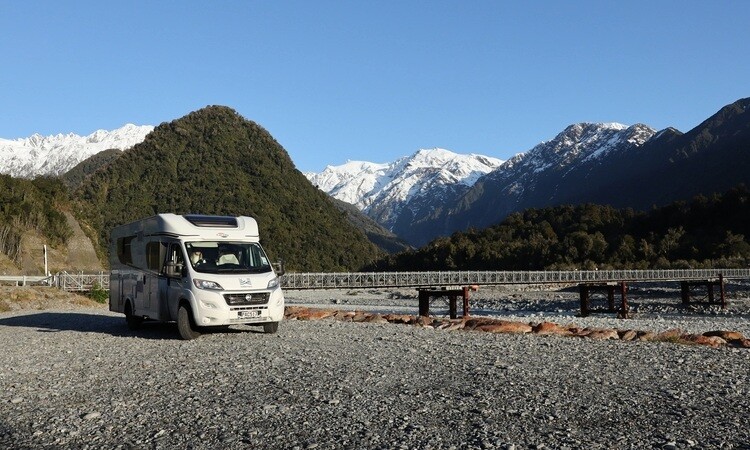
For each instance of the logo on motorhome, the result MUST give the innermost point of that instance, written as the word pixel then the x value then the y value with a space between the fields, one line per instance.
pixel 246 282
pixel 224 235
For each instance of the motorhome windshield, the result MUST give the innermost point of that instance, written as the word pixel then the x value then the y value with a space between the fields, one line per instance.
pixel 229 257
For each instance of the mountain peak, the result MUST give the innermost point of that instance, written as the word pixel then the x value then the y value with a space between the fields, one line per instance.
pixel 370 185
pixel 56 154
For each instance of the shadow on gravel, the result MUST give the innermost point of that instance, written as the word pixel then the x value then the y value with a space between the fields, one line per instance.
pixel 50 322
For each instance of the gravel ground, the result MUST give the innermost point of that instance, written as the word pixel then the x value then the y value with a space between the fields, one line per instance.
pixel 80 379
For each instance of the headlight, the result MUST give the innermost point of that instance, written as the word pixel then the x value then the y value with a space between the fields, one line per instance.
pixel 273 283
pixel 205 284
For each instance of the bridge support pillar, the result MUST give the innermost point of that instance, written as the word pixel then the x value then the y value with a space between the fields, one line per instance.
pixel 586 290
pixel 686 291
pixel 426 296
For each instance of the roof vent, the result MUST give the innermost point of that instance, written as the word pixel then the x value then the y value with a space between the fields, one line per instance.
pixel 212 221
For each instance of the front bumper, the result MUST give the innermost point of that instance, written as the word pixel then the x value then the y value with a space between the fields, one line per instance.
pixel 213 310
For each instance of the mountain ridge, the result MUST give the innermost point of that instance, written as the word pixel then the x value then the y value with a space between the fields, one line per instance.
pixel 435 192
pixel 54 155
pixel 410 186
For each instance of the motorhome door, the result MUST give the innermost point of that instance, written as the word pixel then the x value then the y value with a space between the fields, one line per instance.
pixel 172 282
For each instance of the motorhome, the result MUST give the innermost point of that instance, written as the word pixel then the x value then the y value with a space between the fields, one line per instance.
pixel 197 270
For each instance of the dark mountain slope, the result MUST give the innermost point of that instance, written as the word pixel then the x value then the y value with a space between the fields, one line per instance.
pixel 635 172
pixel 711 158
pixel 705 232
pixel 378 235
pixel 213 161
pixel 75 176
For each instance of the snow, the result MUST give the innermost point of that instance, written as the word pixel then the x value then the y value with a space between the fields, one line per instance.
pixel 56 154
pixel 365 184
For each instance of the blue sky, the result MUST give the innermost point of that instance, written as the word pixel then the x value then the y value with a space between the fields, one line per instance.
pixel 372 80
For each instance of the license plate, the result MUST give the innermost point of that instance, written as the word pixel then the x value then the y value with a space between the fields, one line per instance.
pixel 248 314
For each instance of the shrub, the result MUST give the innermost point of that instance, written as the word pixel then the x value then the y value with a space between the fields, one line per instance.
pixel 99 294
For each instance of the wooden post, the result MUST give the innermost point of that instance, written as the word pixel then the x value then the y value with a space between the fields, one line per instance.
pixel 466 301
pixel 584 294
pixel 721 291
pixel 685 292
pixel 452 299
pixel 624 310
pixel 424 302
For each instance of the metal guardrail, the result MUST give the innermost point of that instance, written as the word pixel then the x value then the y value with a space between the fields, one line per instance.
pixel 349 280
pixel 294 281
pixel 22 280
pixel 81 282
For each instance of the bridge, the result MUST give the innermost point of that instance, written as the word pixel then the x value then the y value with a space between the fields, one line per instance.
pixel 362 280
pixel 297 281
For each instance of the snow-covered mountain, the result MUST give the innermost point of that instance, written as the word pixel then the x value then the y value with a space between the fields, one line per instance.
pixel 578 145
pixel 418 196
pixel 553 172
pixel 55 155
pixel 387 192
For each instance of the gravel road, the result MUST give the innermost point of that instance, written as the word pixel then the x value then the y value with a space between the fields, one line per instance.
pixel 80 379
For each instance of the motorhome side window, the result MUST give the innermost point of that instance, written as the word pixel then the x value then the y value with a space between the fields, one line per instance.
pixel 125 249
pixel 155 252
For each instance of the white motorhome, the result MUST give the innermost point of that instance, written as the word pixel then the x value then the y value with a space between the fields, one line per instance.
pixel 199 271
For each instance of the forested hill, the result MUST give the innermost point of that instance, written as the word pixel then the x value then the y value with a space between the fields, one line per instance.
pixel 705 232
pixel 213 161
pixel 32 205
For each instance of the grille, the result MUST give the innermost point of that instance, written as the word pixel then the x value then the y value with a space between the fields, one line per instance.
pixel 255 298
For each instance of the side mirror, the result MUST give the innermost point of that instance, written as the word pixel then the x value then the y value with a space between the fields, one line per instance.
pixel 173 270
pixel 278 267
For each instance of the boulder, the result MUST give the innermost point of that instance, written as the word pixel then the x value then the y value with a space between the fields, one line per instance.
pixel 702 339
pixel 376 318
pixel 628 335
pixel 603 334
pixel 726 335
pixel 505 327
pixel 547 328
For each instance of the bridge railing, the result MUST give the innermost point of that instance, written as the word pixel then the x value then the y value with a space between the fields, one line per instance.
pixel 81 282
pixel 351 280
pixel 344 280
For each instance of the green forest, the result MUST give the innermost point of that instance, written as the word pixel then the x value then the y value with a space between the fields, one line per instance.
pixel 705 232
pixel 32 205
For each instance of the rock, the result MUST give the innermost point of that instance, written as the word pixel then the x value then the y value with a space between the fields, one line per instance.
pixel 92 415
pixel 359 316
pixel 399 318
pixel 376 318
pixel 344 316
pixel 546 328
pixel 603 334
pixel 628 335
pixel 505 327
pixel 726 335
pixel 646 336
pixel 672 335
pixel 456 326
pixel 702 339
pixel 474 322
